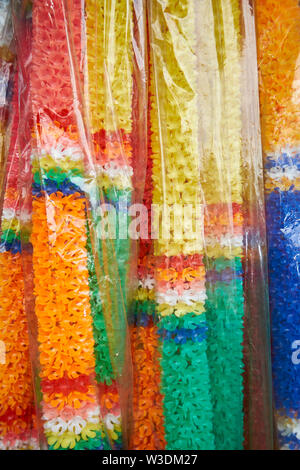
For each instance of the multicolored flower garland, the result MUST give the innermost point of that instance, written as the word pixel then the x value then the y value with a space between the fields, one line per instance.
pixel 17 411
pixel 63 303
pixel 188 324
pixel 199 308
pixel 110 96
pixel 148 421
pixel 278 26
pixel 219 58
pixel 179 268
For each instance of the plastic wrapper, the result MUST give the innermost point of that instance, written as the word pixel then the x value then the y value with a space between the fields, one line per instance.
pixel 278 38
pixel 17 409
pixel 200 347
pixel 6 70
pixel 76 150
pixel 115 91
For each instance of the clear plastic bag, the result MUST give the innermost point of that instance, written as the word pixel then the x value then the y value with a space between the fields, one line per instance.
pixel 141 120
pixel 278 38
pixel 76 277
pixel 201 350
pixel 17 408
pixel 6 69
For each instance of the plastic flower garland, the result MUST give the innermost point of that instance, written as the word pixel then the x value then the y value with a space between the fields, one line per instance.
pixel 17 414
pixel 179 268
pixel 110 95
pixel 221 178
pixel 278 26
pixel 63 302
pixel 199 308
pixel 148 423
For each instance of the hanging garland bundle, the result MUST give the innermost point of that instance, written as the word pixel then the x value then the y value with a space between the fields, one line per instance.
pixel 278 38
pixel 148 425
pixel 219 53
pixel 110 95
pixel 68 393
pixel 197 161
pixel 179 267
pixel 17 412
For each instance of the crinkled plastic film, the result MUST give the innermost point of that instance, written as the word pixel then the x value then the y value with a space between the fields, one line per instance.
pixel 75 283
pixel 115 91
pixel 17 410
pixel 201 347
pixel 278 39
pixel 6 70
pixel 128 102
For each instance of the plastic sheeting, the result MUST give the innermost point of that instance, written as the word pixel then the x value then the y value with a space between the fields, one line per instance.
pixel 140 225
pixel 76 169
pixel 17 409
pixel 278 37
pixel 201 350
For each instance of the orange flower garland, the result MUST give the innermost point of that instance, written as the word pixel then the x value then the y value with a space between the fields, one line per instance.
pixel 17 414
pixel 69 402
